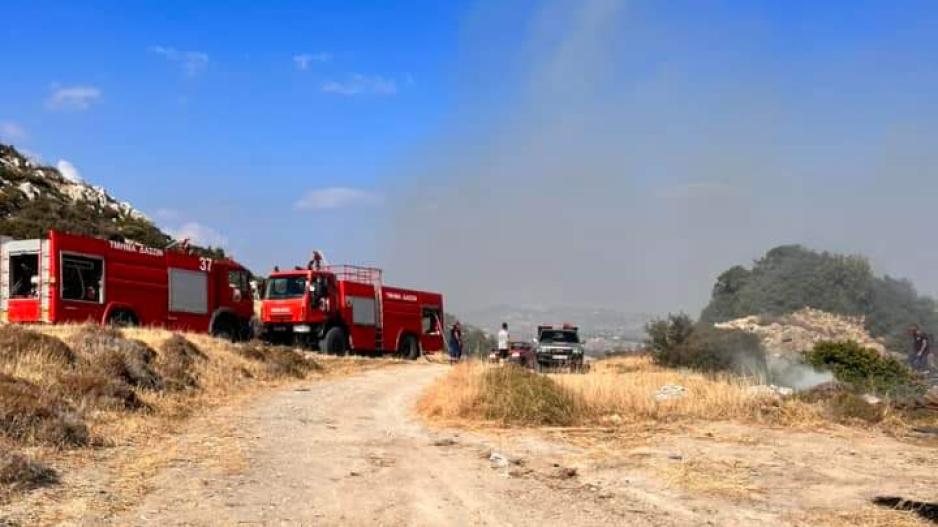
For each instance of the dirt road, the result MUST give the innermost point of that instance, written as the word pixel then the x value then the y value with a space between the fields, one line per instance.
pixel 349 452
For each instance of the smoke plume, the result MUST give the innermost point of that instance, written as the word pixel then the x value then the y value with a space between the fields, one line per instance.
pixel 606 154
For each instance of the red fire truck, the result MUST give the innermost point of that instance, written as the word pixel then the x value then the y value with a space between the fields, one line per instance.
pixel 71 278
pixel 343 308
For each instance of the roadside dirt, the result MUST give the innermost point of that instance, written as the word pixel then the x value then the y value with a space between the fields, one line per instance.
pixel 351 452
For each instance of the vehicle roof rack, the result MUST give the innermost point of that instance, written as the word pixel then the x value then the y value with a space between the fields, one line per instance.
pixel 356 273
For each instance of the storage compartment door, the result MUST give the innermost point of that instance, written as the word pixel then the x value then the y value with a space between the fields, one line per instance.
pixel 363 310
pixel 188 291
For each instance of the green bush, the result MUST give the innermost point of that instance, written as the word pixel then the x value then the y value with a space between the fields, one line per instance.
pixel 668 333
pixel 863 368
pixel 676 342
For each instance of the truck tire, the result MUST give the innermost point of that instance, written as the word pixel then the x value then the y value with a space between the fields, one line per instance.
pixel 409 348
pixel 123 318
pixel 226 328
pixel 334 342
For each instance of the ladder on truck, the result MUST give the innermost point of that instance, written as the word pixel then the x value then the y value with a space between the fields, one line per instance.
pixel 373 277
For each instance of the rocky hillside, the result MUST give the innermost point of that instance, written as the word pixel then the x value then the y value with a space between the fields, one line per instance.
pixel 792 334
pixel 36 198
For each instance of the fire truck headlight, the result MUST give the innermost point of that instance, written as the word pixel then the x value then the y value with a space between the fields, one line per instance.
pixel 302 328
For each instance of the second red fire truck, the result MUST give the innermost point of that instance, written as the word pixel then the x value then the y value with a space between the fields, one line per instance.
pixel 343 308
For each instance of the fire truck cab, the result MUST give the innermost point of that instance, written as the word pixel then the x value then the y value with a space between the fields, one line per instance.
pixel 71 278
pixel 343 308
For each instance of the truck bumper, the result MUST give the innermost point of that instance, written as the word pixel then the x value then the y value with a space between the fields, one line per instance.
pixel 291 333
pixel 559 361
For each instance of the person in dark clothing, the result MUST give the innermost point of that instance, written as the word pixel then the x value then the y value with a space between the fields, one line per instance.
pixel 921 347
pixel 455 343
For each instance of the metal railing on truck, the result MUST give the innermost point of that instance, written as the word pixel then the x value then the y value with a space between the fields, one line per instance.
pixel 356 273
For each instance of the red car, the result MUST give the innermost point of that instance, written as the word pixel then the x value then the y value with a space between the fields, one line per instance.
pixel 520 353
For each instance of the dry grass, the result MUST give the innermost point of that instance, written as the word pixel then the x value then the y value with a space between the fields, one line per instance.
pixel 30 415
pixel 19 473
pixel 865 517
pixel 509 396
pixel 65 387
pixel 728 479
pixel 615 392
pixel 621 391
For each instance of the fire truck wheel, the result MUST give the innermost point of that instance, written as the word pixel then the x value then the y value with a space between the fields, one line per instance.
pixel 409 349
pixel 123 318
pixel 225 329
pixel 335 342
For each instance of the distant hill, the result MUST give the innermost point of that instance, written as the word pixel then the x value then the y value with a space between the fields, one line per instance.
pixel 791 277
pixel 35 198
pixel 603 323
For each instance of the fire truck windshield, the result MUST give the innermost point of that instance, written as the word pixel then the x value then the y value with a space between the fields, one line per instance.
pixel 563 336
pixel 286 287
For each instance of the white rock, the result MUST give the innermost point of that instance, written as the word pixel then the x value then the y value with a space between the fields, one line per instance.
pixel 770 390
pixel 670 392
pixel 498 460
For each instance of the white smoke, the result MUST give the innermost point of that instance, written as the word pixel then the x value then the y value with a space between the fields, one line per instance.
pixel 795 374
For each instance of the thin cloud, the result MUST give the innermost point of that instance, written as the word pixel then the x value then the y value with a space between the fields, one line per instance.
pixel 359 85
pixel 199 234
pixel 73 97
pixel 303 60
pixel 337 198
pixel 191 62
pixel 69 171
pixel 10 131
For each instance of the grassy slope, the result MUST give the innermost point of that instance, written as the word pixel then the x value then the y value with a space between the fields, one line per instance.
pixel 68 389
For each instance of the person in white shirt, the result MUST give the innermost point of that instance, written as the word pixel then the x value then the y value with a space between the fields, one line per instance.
pixel 503 341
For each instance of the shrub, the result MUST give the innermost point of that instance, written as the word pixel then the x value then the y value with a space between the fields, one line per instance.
pixel 677 343
pixel 175 362
pixel 517 396
pixel 30 415
pixel 126 360
pixel 19 473
pixel 846 407
pixel 90 389
pixel 250 351
pixel 668 333
pixel 863 368
pixel 17 343
pixel 280 360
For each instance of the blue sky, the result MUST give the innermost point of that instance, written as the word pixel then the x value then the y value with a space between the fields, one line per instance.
pixel 673 139
pixel 193 111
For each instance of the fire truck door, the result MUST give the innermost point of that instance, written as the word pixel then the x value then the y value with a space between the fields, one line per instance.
pixel 23 287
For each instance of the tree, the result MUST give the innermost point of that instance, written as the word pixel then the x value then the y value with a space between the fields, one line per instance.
pixel 792 277
pixel 676 342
